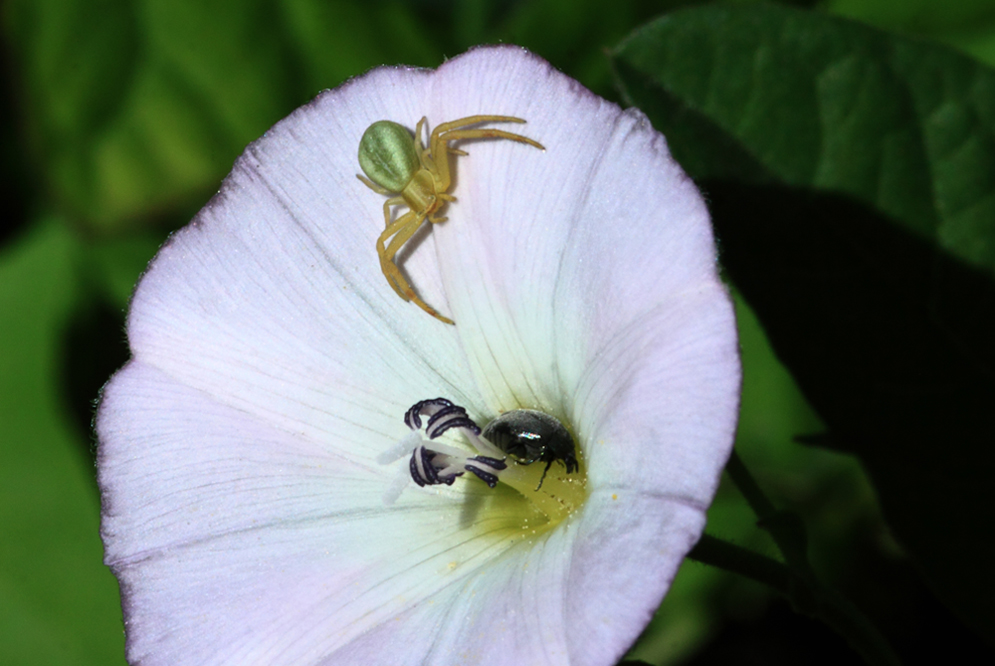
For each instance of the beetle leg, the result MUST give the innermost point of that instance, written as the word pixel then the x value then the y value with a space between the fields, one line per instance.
pixel 543 477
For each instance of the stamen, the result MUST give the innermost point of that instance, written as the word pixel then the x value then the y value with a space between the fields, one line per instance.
pixel 425 470
pixel 487 469
pixel 433 463
pixel 397 486
pixel 488 478
pixel 491 462
pixel 412 418
pixel 401 449
pixel 438 463
pixel 451 416
pixel 483 445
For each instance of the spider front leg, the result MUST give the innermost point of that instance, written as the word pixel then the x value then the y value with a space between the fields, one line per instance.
pixel 402 229
pixel 439 150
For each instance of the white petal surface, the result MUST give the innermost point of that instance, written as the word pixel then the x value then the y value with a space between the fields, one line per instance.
pixel 272 363
pixel 593 293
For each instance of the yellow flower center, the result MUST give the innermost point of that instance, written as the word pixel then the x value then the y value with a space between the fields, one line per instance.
pixel 559 495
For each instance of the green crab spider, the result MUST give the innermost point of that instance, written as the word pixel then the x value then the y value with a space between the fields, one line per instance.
pixel 413 175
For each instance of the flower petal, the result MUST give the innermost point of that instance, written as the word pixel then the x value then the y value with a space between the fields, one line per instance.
pixel 272 363
pixel 584 279
pixel 284 550
pixel 220 548
pixel 272 300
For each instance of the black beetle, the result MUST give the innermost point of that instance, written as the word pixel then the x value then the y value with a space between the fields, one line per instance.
pixel 533 436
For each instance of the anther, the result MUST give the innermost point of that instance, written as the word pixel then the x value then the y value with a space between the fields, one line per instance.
pixel 441 464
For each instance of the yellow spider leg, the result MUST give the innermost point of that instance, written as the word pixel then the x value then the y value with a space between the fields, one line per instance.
pixel 473 120
pixel 433 217
pixel 438 146
pixel 426 160
pixel 419 146
pixel 387 266
pixel 440 142
pixel 393 201
pixel 488 133
pixel 391 272
pixel 373 186
pixel 429 163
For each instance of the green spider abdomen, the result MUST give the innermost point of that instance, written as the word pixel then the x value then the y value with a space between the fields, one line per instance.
pixel 387 155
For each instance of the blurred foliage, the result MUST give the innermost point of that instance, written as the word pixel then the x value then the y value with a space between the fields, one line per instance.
pixel 119 119
pixel 967 25
pixel 133 110
pixel 60 605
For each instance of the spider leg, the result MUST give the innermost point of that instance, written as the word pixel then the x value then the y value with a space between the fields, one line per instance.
pixel 488 133
pixel 473 120
pixel 373 186
pixel 419 146
pixel 439 142
pixel 402 230
pixel 387 266
pixel 393 201
pixel 446 132
pixel 427 162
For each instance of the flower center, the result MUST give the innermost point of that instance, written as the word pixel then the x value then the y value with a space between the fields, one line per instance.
pixel 528 450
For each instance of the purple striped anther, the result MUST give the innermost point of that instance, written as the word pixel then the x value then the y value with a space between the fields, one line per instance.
pixel 425 468
pixel 441 465
pixel 412 418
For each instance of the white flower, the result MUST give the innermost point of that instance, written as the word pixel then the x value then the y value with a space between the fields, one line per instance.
pixel 272 365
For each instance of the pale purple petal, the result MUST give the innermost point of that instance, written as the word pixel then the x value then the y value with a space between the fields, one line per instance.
pixel 273 363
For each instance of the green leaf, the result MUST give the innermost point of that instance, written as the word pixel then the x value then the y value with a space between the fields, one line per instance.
pixel 572 34
pixel 918 16
pixel 60 604
pixel 851 175
pixel 334 39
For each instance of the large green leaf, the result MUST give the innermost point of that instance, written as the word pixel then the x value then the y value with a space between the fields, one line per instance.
pixel 967 25
pixel 851 175
pixel 918 16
